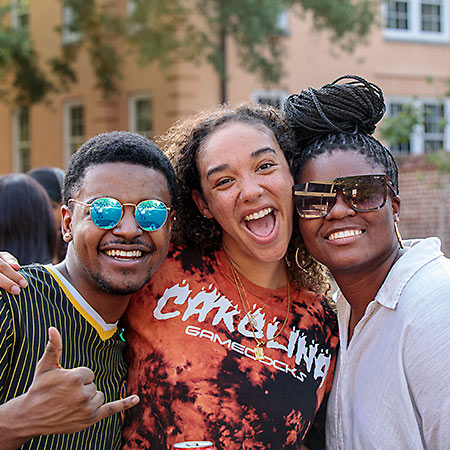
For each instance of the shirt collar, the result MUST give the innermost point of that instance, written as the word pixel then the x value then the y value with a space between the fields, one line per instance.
pixel 419 252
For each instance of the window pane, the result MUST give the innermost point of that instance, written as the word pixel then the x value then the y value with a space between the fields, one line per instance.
pixel 143 114
pixel 397 15
pixel 434 121
pixel 22 138
pixel 76 127
pixel 23 125
pixel 21 14
pixel 403 147
pixel 24 159
pixel 433 145
pixel 431 17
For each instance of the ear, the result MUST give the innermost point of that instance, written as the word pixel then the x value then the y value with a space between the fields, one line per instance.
pixel 170 220
pixel 201 204
pixel 66 223
pixel 396 206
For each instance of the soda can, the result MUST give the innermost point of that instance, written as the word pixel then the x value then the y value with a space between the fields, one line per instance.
pixel 203 445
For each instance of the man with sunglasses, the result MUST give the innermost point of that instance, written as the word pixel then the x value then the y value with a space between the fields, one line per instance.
pixel 117 221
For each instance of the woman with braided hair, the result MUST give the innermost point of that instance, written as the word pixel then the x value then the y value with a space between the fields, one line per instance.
pixel 391 388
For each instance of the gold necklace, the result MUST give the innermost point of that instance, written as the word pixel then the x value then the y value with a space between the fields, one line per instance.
pixel 259 351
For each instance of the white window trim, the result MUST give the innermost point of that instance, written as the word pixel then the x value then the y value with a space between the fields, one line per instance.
pixel 283 22
pixel 69 37
pixel 131 7
pixel 274 94
pixel 132 110
pixel 66 127
pixel 414 33
pixel 15 140
pixel 15 14
pixel 417 138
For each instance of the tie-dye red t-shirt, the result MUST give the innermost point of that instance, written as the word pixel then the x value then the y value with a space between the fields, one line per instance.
pixel 193 365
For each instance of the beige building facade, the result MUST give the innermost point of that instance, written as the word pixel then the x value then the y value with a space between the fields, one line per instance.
pixel 408 56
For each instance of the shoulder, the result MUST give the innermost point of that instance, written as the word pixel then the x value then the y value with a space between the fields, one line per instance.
pixel 318 307
pixel 39 281
pixel 185 261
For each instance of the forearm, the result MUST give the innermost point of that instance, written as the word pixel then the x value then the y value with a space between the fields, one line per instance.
pixel 16 423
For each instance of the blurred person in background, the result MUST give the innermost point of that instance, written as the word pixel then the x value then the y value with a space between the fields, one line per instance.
pixel 27 226
pixel 52 180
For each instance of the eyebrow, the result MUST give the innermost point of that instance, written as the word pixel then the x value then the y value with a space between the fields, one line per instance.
pixel 252 155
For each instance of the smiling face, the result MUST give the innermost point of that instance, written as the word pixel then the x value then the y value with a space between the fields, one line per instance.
pixel 246 186
pixel 121 260
pixel 347 241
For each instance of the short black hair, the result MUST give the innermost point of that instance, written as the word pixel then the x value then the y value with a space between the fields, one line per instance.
pixel 117 146
pixel 339 116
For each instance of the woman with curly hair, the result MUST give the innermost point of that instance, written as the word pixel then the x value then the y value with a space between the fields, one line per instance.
pixel 392 384
pixel 229 343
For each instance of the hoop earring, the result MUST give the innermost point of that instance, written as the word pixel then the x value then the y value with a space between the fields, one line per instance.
pixel 298 264
pixel 397 231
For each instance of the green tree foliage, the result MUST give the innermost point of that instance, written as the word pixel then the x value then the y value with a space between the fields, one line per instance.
pixel 397 129
pixel 19 61
pixel 169 30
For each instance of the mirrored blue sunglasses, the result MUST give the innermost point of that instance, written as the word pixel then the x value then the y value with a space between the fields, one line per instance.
pixel 107 212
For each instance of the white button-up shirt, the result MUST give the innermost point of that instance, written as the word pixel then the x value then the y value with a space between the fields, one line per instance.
pixel 391 386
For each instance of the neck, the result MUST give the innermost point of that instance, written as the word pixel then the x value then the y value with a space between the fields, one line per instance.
pixel 267 274
pixel 360 288
pixel 110 307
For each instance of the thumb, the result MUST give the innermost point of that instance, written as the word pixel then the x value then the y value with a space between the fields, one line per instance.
pixel 52 354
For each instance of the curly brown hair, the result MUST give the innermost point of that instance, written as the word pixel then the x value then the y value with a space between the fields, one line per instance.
pixel 182 143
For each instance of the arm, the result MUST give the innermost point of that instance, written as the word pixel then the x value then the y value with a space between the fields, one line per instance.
pixel 58 401
pixel 10 280
pixel 426 367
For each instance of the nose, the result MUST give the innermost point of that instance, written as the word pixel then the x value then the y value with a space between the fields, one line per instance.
pixel 341 208
pixel 128 227
pixel 250 189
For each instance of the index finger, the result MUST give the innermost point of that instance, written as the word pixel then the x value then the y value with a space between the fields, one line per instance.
pixel 108 409
pixel 10 279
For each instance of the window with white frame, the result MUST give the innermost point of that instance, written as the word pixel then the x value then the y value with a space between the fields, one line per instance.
pixel 274 98
pixel 141 114
pixel 283 21
pixel 433 131
pixel 21 142
pixel 394 109
pixel 417 20
pixel 131 7
pixel 70 34
pixel 74 127
pixel 20 11
pixel 433 126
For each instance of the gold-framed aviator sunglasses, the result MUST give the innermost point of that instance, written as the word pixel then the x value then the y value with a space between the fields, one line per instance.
pixel 363 193
pixel 107 212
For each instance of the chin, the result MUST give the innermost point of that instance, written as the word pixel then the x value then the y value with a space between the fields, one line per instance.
pixel 127 287
pixel 270 256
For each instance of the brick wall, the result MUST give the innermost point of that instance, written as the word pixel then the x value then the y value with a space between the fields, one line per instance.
pixel 425 195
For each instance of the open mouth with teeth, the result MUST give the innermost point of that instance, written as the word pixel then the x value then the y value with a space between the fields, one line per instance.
pixel 123 254
pixel 344 234
pixel 261 223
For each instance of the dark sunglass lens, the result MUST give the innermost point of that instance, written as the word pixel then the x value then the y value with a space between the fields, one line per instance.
pixel 106 212
pixel 366 193
pixel 151 215
pixel 311 207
